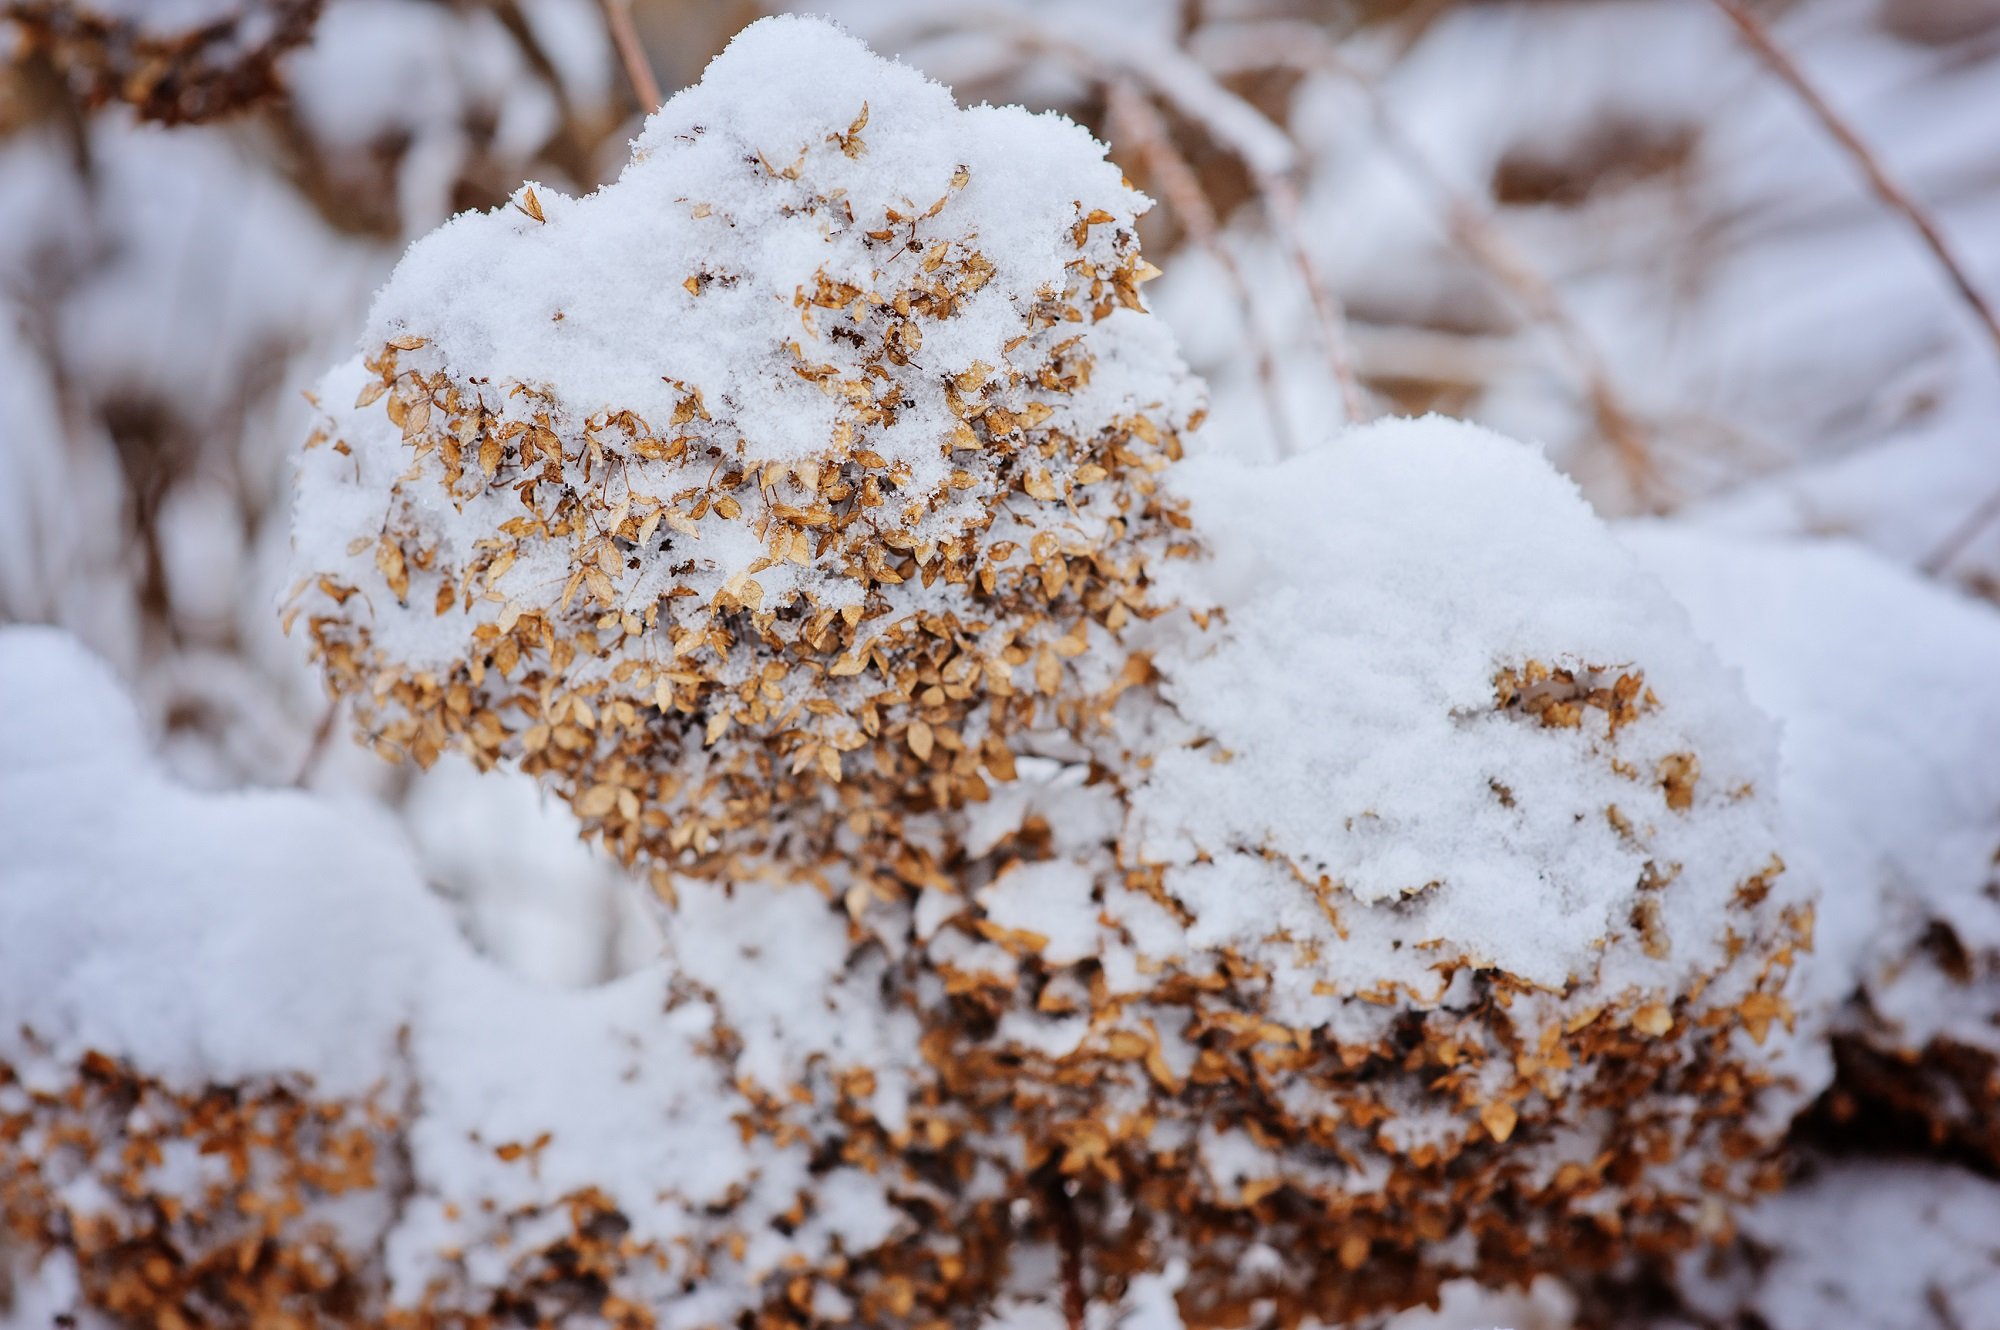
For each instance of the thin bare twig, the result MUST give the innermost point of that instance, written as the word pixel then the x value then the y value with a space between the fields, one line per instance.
pixel 316 749
pixel 572 145
pixel 1268 151
pixel 1133 116
pixel 1939 1302
pixel 1476 233
pixel 639 70
pixel 1899 201
pixel 1103 53
pixel 1962 535
pixel 1283 200
pixel 1885 186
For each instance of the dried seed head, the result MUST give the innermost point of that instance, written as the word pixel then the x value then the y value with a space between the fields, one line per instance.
pixel 703 530
pixel 830 535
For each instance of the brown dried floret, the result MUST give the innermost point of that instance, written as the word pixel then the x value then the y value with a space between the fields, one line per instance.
pixel 1493 1082
pixel 93 1162
pixel 1559 697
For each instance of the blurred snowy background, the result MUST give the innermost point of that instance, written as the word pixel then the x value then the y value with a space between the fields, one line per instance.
pixel 1610 226
pixel 1604 226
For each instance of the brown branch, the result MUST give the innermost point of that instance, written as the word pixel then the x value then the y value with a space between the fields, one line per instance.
pixel 1272 158
pixel 1939 1302
pixel 571 148
pixel 1130 111
pixel 1283 200
pixel 1102 53
pixel 316 749
pixel 1962 535
pixel 1069 1237
pixel 1476 233
pixel 1899 201
pixel 1885 186
pixel 618 17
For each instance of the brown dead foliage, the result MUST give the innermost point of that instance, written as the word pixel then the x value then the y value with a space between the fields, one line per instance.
pixel 202 73
pixel 646 719
pixel 841 744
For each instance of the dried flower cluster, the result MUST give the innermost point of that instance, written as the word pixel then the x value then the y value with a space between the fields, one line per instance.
pixel 806 506
pixel 193 67
pixel 1183 1028
pixel 834 576
pixel 259 1204
pixel 1921 1045
pixel 182 1208
pixel 1395 1137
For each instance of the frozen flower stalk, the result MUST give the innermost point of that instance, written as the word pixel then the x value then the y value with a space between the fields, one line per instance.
pixel 779 485
pixel 1357 858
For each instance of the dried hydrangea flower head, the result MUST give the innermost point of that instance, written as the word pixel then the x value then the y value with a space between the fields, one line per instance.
pixel 1424 919
pixel 1358 857
pixel 586 1155
pixel 1419 918
pixel 175 62
pixel 778 485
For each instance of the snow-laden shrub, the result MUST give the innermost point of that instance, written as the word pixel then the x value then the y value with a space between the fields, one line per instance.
pixel 1357 857
pixel 775 488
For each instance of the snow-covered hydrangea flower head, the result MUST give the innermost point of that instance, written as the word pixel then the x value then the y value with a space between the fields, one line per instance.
pixel 1424 918
pixel 785 479
pixel 1357 857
